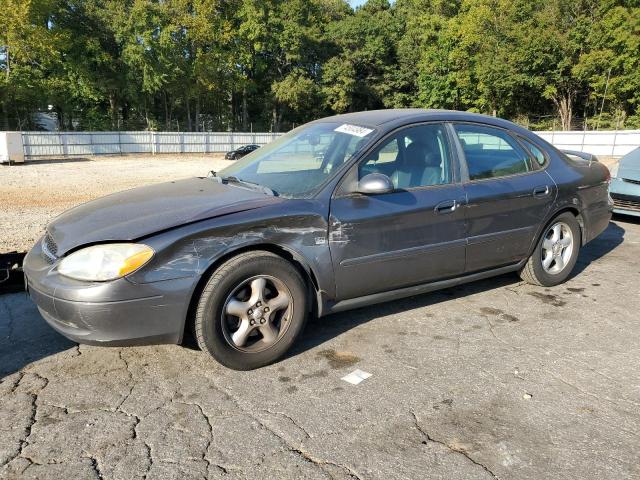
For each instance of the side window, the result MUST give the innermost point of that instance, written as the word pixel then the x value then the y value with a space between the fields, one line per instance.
pixel 535 151
pixel 381 160
pixel 491 152
pixel 414 157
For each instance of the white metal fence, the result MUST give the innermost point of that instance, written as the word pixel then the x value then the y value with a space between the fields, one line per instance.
pixel 615 143
pixel 62 144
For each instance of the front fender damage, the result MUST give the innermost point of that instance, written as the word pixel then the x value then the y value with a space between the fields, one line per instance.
pixel 304 237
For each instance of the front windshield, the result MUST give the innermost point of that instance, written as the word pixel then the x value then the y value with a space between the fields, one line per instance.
pixel 297 164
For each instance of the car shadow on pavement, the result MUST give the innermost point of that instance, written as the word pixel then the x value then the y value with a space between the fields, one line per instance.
pixel 321 330
pixel 24 335
pixel 604 243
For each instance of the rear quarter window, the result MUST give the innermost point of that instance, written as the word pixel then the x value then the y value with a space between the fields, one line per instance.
pixel 535 151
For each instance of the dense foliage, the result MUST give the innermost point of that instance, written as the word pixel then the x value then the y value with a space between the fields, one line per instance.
pixel 272 64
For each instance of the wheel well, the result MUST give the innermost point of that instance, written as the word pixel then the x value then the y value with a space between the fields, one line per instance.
pixel 575 212
pixel 307 274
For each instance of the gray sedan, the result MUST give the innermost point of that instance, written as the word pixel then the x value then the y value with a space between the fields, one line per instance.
pixel 339 213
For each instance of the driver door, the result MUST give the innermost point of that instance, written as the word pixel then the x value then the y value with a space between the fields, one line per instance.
pixel 413 235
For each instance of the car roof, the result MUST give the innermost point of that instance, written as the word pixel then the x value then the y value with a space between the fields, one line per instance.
pixel 390 118
pixel 376 117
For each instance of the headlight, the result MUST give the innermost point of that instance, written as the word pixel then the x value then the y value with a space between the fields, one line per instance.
pixel 105 262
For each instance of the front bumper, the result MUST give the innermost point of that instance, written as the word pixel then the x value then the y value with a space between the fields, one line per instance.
pixel 118 312
pixel 626 197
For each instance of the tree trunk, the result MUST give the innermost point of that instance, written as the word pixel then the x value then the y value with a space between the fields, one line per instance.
pixel 232 113
pixel 5 116
pixel 564 104
pixel 113 106
pixel 146 114
pixel 167 119
pixel 189 127
pixel 198 114
pixel 123 119
pixel 18 119
pixel 60 116
pixel 245 113
pixel 275 119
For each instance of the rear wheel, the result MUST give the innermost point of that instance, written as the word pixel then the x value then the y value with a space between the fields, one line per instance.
pixel 251 310
pixel 556 253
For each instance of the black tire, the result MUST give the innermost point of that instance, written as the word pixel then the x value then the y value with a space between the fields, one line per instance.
pixel 534 273
pixel 209 320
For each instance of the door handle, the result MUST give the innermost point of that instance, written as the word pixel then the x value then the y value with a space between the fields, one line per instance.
pixel 448 206
pixel 541 191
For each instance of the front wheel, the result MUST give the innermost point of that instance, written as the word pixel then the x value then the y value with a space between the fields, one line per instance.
pixel 556 253
pixel 251 310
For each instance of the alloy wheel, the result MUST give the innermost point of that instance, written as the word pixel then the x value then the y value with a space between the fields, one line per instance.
pixel 557 247
pixel 257 313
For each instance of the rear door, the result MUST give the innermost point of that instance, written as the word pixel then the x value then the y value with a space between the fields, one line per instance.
pixel 410 236
pixel 508 196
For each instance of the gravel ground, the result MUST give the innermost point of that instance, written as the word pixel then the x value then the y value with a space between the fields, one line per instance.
pixel 35 192
pixel 496 379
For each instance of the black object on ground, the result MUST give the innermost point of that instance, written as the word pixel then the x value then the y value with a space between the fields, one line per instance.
pixel 11 275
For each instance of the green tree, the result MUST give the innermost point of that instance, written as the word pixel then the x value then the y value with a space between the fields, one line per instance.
pixel 270 64
pixel 93 69
pixel 361 75
pixel 30 50
pixel 611 66
pixel 434 68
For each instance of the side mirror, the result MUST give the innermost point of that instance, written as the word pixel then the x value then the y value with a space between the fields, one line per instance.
pixel 375 184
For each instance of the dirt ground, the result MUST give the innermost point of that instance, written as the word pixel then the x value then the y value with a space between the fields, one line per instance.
pixel 33 193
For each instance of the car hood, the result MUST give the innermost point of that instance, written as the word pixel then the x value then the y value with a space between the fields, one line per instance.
pixel 629 166
pixel 142 211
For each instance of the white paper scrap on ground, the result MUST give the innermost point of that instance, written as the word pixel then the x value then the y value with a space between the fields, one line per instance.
pixel 356 377
pixel 353 130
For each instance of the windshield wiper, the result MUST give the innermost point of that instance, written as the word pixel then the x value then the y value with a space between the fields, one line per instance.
pixel 252 185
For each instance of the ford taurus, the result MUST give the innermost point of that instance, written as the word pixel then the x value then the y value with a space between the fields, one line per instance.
pixel 339 213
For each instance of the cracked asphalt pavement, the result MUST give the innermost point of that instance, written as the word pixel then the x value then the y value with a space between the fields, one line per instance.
pixel 494 379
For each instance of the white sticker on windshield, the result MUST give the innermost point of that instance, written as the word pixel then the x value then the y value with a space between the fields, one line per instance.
pixel 353 130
